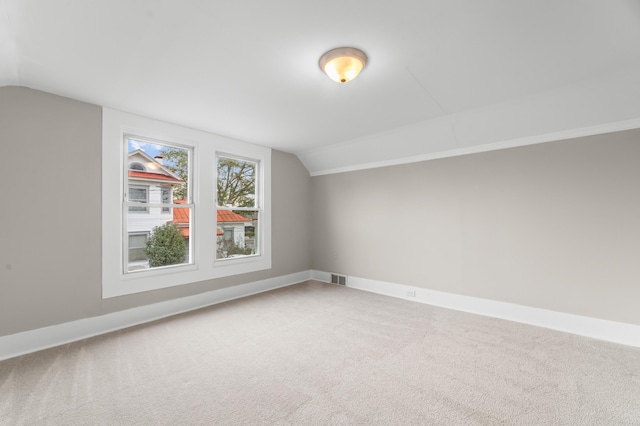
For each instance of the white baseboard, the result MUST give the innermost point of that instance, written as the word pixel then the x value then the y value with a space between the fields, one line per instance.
pixel 34 340
pixel 617 332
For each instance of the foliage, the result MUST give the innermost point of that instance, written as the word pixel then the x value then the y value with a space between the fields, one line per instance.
pixel 236 179
pixel 236 182
pixel 177 161
pixel 228 248
pixel 165 246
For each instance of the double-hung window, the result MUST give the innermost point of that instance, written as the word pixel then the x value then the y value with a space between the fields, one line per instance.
pixel 180 205
pixel 164 166
pixel 238 207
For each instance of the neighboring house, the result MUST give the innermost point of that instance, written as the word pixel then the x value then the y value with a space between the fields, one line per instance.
pixel 234 240
pixel 230 226
pixel 181 219
pixel 148 182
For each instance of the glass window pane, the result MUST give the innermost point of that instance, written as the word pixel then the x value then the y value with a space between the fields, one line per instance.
pixel 137 257
pixel 152 163
pixel 138 195
pixel 236 183
pixel 157 176
pixel 237 233
pixel 166 199
pixel 167 243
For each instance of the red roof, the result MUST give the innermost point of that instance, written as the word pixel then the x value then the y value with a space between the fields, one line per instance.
pixel 184 230
pixel 229 216
pixel 181 217
pixel 153 176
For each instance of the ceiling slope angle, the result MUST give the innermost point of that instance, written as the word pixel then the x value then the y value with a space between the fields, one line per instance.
pixel 540 74
pixel 442 78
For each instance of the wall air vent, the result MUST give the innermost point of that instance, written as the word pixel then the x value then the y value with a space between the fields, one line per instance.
pixel 339 279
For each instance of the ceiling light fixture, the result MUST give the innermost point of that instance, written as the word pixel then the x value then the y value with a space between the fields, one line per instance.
pixel 343 64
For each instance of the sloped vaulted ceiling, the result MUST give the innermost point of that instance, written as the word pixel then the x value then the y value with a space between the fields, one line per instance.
pixel 444 77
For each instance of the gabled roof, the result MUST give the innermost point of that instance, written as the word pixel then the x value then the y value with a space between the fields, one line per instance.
pixel 158 171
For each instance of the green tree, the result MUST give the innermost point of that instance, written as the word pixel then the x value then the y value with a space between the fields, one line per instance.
pixel 236 182
pixel 165 246
pixel 177 160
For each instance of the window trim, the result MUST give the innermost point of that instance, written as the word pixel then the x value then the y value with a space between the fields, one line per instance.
pixel 257 205
pixel 117 124
pixel 126 199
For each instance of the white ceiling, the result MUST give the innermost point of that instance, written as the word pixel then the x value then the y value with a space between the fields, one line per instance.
pixel 248 69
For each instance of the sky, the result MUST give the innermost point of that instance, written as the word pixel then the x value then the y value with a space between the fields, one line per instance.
pixel 150 149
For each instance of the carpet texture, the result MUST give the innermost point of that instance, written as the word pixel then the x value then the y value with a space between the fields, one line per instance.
pixel 318 354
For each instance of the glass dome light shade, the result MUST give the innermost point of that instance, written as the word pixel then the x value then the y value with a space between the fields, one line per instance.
pixel 343 64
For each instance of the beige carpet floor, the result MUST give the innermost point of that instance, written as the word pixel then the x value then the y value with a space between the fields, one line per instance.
pixel 318 354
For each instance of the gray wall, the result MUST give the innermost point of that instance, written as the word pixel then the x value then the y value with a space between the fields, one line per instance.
pixel 50 238
pixel 553 226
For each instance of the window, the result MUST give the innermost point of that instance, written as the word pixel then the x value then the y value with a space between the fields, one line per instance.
pixel 136 166
pixel 166 199
pixel 238 206
pixel 160 180
pixel 137 243
pixel 167 236
pixel 138 194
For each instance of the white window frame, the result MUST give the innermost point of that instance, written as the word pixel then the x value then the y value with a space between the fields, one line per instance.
pixel 148 205
pixel 257 202
pixel 205 146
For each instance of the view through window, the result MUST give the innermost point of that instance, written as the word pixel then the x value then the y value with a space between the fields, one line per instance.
pixel 157 206
pixel 238 208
